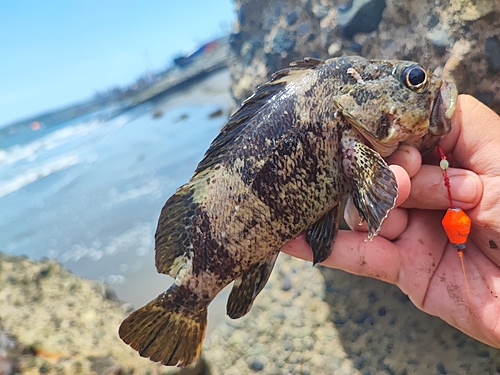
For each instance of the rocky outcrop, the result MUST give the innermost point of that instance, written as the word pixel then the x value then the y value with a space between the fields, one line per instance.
pixel 268 35
pixel 53 322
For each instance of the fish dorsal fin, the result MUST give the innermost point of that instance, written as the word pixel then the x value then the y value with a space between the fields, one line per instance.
pixel 307 63
pixel 249 108
pixel 172 239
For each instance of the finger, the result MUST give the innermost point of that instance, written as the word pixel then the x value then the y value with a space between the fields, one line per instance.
pixel 378 258
pixel 393 225
pixel 429 192
pixel 407 157
pixel 473 138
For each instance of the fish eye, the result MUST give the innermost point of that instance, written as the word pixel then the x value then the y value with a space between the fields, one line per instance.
pixel 414 77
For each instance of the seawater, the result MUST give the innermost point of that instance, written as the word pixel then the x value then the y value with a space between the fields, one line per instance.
pixel 89 192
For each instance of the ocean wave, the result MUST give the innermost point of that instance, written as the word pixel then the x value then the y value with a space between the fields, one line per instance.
pixel 138 238
pixel 49 142
pixel 152 188
pixel 57 138
pixel 33 174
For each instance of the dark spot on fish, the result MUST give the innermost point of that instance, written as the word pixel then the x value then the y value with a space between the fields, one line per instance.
pixel 493 245
pixel 383 129
pixel 182 298
pixel 214 258
pixel 298 168
pixel 421 242
pixel 363 96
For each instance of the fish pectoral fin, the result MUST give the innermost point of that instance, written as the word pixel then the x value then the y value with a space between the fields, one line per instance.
pixel 321 235
pixel 248 286
pixel 374 185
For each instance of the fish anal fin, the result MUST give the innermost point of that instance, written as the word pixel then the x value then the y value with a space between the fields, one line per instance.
pixel 248 286
pixel 166 332
pixel 374 185
pixel 322 233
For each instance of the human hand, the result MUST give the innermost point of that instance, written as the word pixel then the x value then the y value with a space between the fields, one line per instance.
pixel 412 250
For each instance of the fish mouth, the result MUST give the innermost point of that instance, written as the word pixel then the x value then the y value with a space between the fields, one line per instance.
pixel 442 109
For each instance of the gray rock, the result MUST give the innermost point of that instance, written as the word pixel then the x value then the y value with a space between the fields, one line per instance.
pixel 286 283
pixel 492 50
pixel 292 18
pixel 362 16
pixel 283 42
pixel 257 365
pixel 427 31
pixel 439 37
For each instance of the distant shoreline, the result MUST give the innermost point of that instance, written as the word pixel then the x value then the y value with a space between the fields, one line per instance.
pixel 173 80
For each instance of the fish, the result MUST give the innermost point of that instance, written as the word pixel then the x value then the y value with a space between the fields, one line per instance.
pixel 315 133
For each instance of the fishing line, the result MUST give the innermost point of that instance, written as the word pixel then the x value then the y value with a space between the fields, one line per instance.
pixel 455 222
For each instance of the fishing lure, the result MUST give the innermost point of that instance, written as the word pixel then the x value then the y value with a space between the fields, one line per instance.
pixel 456 223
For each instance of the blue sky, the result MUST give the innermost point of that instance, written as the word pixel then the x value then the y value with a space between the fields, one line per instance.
pixel 54 53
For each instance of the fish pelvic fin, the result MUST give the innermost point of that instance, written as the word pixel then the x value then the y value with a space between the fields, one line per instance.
pixel 375 187
pixel 166 332
pixel 248 286
pixel 321 235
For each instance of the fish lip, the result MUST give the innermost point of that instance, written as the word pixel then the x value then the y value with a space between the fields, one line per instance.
pixel 442 109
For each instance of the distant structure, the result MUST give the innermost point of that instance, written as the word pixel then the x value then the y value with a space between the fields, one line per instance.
pixel 202 52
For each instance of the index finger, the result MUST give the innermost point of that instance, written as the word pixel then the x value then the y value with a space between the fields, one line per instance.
pixel 378 258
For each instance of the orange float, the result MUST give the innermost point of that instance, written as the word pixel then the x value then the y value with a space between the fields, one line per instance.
pixel 456 225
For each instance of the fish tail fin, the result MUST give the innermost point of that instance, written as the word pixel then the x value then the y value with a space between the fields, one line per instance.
pixel 166 332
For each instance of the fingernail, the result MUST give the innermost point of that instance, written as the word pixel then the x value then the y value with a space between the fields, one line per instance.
pixel 465 188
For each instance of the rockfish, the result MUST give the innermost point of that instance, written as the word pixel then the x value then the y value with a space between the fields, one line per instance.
pixel 315 133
